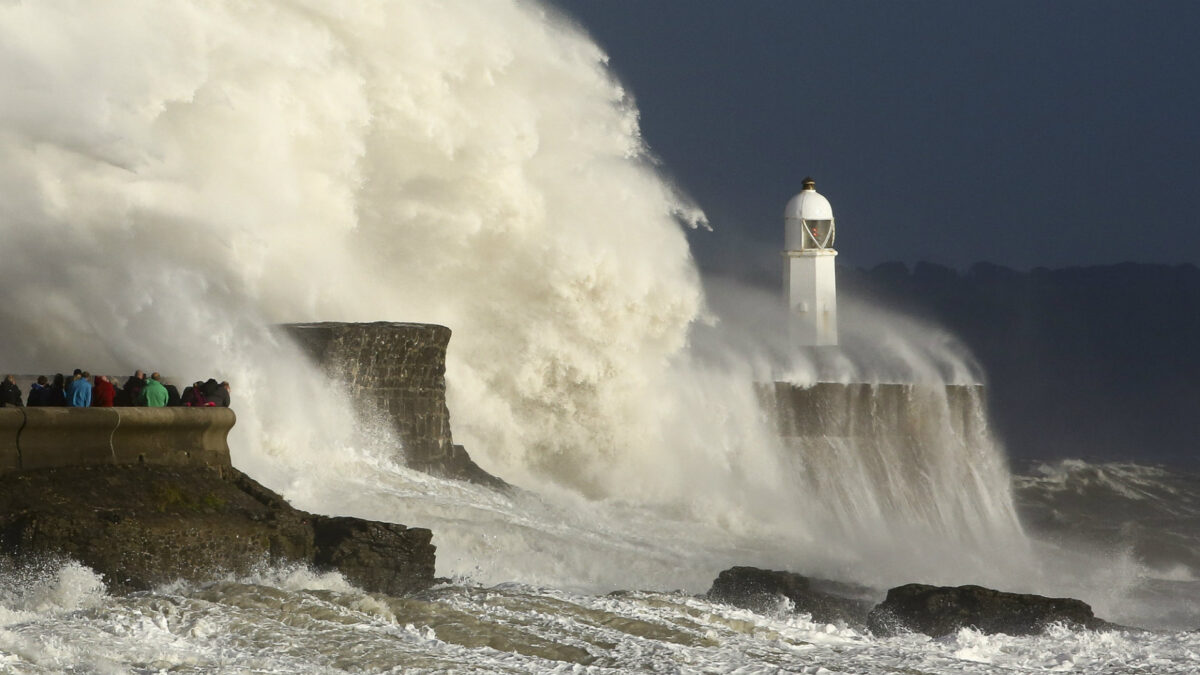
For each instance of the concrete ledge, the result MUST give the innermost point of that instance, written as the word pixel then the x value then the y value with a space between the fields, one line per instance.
pixel 858 410
pixel 38 438
pixel 173 436
pixel 66 437
pixel 11 421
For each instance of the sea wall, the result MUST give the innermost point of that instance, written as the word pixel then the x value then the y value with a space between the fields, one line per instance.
pixel 906 460
pixel 853 410
pixel 39 438
pixel 397 370
pixel 146 496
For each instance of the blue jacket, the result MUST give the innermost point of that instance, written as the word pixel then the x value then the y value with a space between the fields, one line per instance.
pixel 79 394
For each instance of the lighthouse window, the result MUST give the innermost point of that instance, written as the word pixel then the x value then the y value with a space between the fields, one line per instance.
pixel 818 232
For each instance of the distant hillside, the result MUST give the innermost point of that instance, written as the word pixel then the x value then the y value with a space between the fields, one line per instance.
pixel 1094 362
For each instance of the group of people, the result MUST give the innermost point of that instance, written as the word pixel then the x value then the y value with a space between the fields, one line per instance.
pixel 83 391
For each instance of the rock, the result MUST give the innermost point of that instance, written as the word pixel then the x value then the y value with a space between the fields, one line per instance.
pixel 139 526
pixel 942 610
pixel 386 557
pixel 760 591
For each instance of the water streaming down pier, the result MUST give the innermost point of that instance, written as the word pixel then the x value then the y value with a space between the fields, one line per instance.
pixel 907 457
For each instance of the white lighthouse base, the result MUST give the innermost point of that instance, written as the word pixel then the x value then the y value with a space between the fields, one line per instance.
pixel 811 287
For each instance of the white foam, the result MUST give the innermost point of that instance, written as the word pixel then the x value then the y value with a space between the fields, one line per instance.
pixel 292 624
pixel 49 589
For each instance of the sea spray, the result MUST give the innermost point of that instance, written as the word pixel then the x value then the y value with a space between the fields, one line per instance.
pixel 906 479
pixel 179 176
pixel 179 181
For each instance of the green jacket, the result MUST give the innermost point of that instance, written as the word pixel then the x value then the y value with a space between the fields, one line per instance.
pixel 153 394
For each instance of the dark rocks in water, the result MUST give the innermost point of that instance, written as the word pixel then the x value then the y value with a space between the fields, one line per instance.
pixel 760 590
pixel 933 610
pixel 142 525
pixel 374 555
pixel 942 610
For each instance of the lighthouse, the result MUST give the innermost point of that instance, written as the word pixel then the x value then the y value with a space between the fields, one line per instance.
pixel 808 275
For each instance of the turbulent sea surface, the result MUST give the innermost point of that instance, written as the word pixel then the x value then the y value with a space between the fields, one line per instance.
pixel 61 619
pixel 1144 518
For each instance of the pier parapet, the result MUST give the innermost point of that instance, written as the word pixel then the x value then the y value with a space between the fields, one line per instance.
pixel 918 458
pixel 39 438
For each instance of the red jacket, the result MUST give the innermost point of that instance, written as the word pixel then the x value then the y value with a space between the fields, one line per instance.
pixel 102 394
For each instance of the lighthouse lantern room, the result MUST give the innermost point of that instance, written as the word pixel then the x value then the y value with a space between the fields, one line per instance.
pixel 808 270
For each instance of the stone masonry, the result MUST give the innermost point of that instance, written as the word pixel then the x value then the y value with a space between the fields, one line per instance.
pixel 397 370
pixel 866 410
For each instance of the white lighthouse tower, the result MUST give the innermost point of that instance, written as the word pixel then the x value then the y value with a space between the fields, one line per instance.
pixel 808 276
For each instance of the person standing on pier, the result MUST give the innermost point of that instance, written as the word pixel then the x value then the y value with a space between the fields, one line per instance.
pixel 131 393
pixel 39 392
pixel 103 393
pixel 79 393
pixel 57 395
pixel 154 394
pixel 10 393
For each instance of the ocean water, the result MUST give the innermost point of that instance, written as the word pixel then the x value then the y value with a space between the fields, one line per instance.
pixel 1125 514
pixel 60 619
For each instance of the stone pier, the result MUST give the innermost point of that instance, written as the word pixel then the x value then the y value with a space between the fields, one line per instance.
pixel 397 370
pixel 830 409
pixel 916 458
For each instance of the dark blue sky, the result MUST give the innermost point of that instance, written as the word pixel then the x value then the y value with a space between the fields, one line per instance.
pixel 1022 133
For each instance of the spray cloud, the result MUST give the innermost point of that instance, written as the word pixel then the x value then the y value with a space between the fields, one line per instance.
pixel 179 175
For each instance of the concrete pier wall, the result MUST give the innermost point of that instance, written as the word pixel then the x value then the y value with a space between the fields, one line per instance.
pixel 829 409
pixel 397 370
pixel 38 438
pixel 11 421
pixel 909 460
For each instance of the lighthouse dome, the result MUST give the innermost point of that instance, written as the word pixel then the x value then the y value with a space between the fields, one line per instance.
pixel 808 205
pixel 808 221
